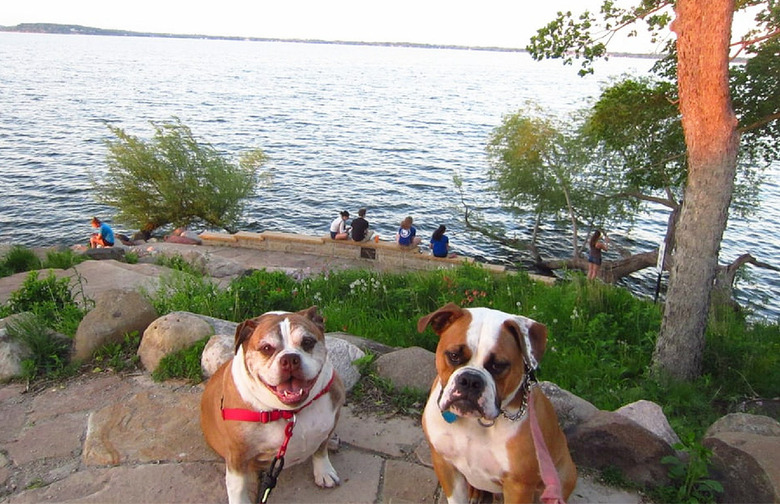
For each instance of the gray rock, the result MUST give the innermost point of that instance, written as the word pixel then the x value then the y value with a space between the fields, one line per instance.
pixel 170 333
pixel 609 439
pixel 12 353
pixel 218 350
pixel 650 416
pixel 412 367
pixel 744 422
pixel 342 353
pixel 746 464
pixel 116 313
pixel 220 326
pixel 365 344
pixel 571 410
pixel 116 253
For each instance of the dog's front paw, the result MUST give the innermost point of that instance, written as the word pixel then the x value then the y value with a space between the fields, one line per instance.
pixel 325 475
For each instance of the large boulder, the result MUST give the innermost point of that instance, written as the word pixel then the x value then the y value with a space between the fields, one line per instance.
pixel 650 416
pixel 171 333
pixel 571 410
pixel 608 439
pixel 116 313
pixel 744 457
pixel 412 367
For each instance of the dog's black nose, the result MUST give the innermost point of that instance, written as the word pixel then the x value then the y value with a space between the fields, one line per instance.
pixel 290 362
pixel 470 382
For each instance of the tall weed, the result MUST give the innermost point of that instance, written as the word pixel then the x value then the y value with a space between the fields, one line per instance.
pixel 19 259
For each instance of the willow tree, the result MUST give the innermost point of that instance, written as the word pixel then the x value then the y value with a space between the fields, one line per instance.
pixel 701 51
pixel 538 165
pixel 175 179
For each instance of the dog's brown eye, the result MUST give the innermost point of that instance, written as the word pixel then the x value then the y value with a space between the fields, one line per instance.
pixel 308 343
pixel 267 350
pixel 496 368
pixel 455 358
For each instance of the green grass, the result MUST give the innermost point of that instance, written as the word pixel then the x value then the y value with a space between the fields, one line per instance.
pixel 600 338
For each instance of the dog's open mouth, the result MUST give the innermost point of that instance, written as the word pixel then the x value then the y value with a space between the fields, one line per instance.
pixel 463 408
pixel 292 391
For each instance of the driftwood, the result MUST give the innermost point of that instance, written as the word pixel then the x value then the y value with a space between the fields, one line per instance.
pixel 723 289
pixel 612 271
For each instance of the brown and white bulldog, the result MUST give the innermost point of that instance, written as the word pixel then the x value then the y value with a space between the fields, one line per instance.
pixel 476 418
pixel 280 369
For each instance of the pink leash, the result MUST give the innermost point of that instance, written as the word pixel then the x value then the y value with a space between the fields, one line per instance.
pixel 552 484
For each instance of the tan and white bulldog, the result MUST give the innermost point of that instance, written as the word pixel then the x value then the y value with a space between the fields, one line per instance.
pixel 476 418
pixel 280 374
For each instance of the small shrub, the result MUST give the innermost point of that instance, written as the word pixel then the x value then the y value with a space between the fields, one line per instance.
pixel 692 477
pixel 119 356
pixel 50 298
pixel 184 364
pixel 63 259
pixel 19 259
pixel 48 351
pixel 178 263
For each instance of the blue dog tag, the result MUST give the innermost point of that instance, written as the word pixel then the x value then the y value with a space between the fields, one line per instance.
pixel 449 416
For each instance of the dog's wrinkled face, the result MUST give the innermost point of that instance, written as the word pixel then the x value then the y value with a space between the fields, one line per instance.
pixel 284 351
pixel 481 357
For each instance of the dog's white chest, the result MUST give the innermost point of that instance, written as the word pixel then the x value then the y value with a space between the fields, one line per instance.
pixel 479 453
pixel 313 426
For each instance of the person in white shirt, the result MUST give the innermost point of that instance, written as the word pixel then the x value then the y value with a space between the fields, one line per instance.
pixel 338 228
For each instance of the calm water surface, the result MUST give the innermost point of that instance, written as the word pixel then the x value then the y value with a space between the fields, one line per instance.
pixel 344 126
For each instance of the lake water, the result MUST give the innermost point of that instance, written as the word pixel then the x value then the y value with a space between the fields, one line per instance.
pixel 345 126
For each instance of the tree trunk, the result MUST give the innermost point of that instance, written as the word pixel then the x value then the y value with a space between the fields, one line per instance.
pixel 703 30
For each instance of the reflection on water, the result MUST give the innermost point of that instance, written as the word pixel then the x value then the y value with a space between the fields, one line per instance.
pixel 344 126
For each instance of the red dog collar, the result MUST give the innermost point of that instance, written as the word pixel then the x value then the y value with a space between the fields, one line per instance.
pixel 247 415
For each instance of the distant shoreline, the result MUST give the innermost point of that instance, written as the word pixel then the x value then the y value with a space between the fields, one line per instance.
pixel 62 29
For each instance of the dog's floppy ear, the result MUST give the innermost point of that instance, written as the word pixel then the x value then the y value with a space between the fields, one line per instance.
pixel 313 314
pixel 441 318
pixel 531 336
pixel 243 332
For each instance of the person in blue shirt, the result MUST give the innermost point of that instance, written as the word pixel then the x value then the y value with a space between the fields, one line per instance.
pixel 439 242
pixel 104 236
pixel 407 234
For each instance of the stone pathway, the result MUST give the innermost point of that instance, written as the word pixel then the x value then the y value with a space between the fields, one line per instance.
pixel 108 438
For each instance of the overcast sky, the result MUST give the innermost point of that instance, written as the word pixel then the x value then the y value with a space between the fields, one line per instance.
pixel 502 23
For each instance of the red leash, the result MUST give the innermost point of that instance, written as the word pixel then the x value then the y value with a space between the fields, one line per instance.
pixel 552 483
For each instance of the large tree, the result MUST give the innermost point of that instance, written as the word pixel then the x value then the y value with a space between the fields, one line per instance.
pixel 703 29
